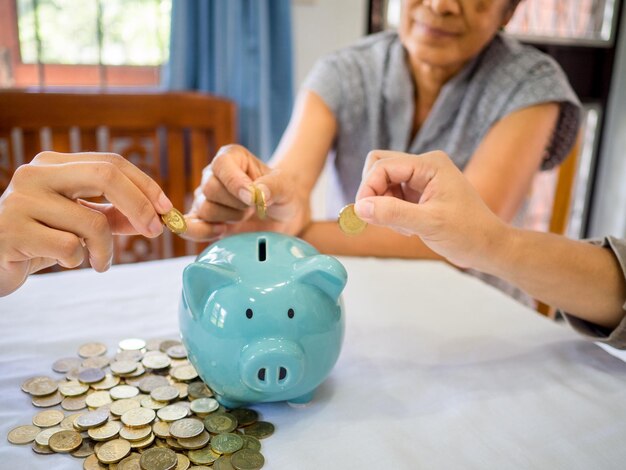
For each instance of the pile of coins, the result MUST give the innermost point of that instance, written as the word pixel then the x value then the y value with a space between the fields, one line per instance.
pixel 143 409
pixel 349 222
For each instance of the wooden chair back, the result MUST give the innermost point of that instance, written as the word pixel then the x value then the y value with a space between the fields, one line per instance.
pixel 170 136
pixel 562 203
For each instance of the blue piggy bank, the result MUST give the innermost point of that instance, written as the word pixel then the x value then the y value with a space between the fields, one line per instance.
pixel 261 318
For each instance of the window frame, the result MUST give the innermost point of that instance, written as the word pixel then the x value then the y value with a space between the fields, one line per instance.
pixel 65 75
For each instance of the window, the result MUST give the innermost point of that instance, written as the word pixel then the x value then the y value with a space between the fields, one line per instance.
pixel 91 42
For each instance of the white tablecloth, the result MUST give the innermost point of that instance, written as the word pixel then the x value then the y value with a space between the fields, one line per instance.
pixel 437 371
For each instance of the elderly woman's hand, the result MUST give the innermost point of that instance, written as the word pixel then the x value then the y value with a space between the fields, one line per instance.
pixel 224 202
pixel 44 221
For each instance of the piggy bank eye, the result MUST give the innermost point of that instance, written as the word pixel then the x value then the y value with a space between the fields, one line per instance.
pixel 290 313
pixel 249 313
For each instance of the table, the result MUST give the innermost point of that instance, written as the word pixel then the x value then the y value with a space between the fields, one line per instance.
pixel 438 370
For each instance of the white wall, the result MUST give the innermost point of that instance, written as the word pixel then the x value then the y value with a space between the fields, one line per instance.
pixel 608 216
pixel 320 27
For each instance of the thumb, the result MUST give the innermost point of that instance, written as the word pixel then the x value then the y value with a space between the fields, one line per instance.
pixel 391 212
pixel 276 188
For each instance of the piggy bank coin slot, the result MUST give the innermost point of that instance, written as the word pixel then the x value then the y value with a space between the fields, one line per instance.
pixel 262 249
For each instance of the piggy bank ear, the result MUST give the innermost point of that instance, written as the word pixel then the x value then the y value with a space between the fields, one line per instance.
pixel 200 280
pixel 324 272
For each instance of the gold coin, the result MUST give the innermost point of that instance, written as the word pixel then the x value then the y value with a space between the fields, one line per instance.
pixel 258 198
pixel 220 423
pixel 251 442
pixel 107 383
pixel 138 417
pixel 132 344
pixel 69 420
pixel 135 434
pixel 123 367
pixel 245 416
pixel 47 401
pixel 150 382
pixel 107 431
pixel 184 373
pixel 158 458
pixel 91 420
pixel 175 221
pixel 349 222
pixel 183 462
pixel 130 463
pixel 91 375
pixel 72 388
pixel 166 393
pixel 196 442
pixel 92 463
pixel 98 399
pixel 74 403
pixel 223 463
pixel 113 451
pixel 172 413
pixel 120 392
pixel 177 351
pixel 203 456
pixel 143 443
pixel 260 429
pixel 226 443
pixel 63 366
pixel 85 449
pixel 64 442
pixel 44 436
pixel 162 429
pixel 186 428
pixel 96 361
pixel 48 418
pixel 92 350
pixel 199 390
pixel 204 406
pixel 183 390
pixel 148 402
pixel 246 459
pixel 40 386
pixel 156 361
pixel 43 450
pixel 119 407
pixel 23 434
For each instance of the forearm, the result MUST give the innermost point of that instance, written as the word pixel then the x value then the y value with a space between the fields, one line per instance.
pixel 577 277
pixel 374 241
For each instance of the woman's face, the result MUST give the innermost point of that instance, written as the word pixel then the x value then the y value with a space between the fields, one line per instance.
pixel 448 33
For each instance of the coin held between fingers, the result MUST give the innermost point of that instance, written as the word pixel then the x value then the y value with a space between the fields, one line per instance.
pixel 349 222
pixel 175 221
pixel 258 198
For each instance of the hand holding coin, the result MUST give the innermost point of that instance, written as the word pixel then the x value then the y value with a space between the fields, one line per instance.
pixel 45 221
pixel 241 193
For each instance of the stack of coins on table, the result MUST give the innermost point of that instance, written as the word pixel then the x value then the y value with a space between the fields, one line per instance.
pixel 143 409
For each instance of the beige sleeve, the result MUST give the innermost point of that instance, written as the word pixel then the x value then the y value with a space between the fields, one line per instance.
pixel 616 337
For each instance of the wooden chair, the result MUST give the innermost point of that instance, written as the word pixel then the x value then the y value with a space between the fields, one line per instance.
pixel 170 136
pixel 562 203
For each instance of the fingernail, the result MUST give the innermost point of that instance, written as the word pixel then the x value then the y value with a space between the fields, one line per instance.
pixel 364 209
pixel 164 203
pixel 156 226
pixel 245 195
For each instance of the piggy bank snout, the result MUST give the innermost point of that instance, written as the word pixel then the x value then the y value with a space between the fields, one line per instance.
pixel 272 365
